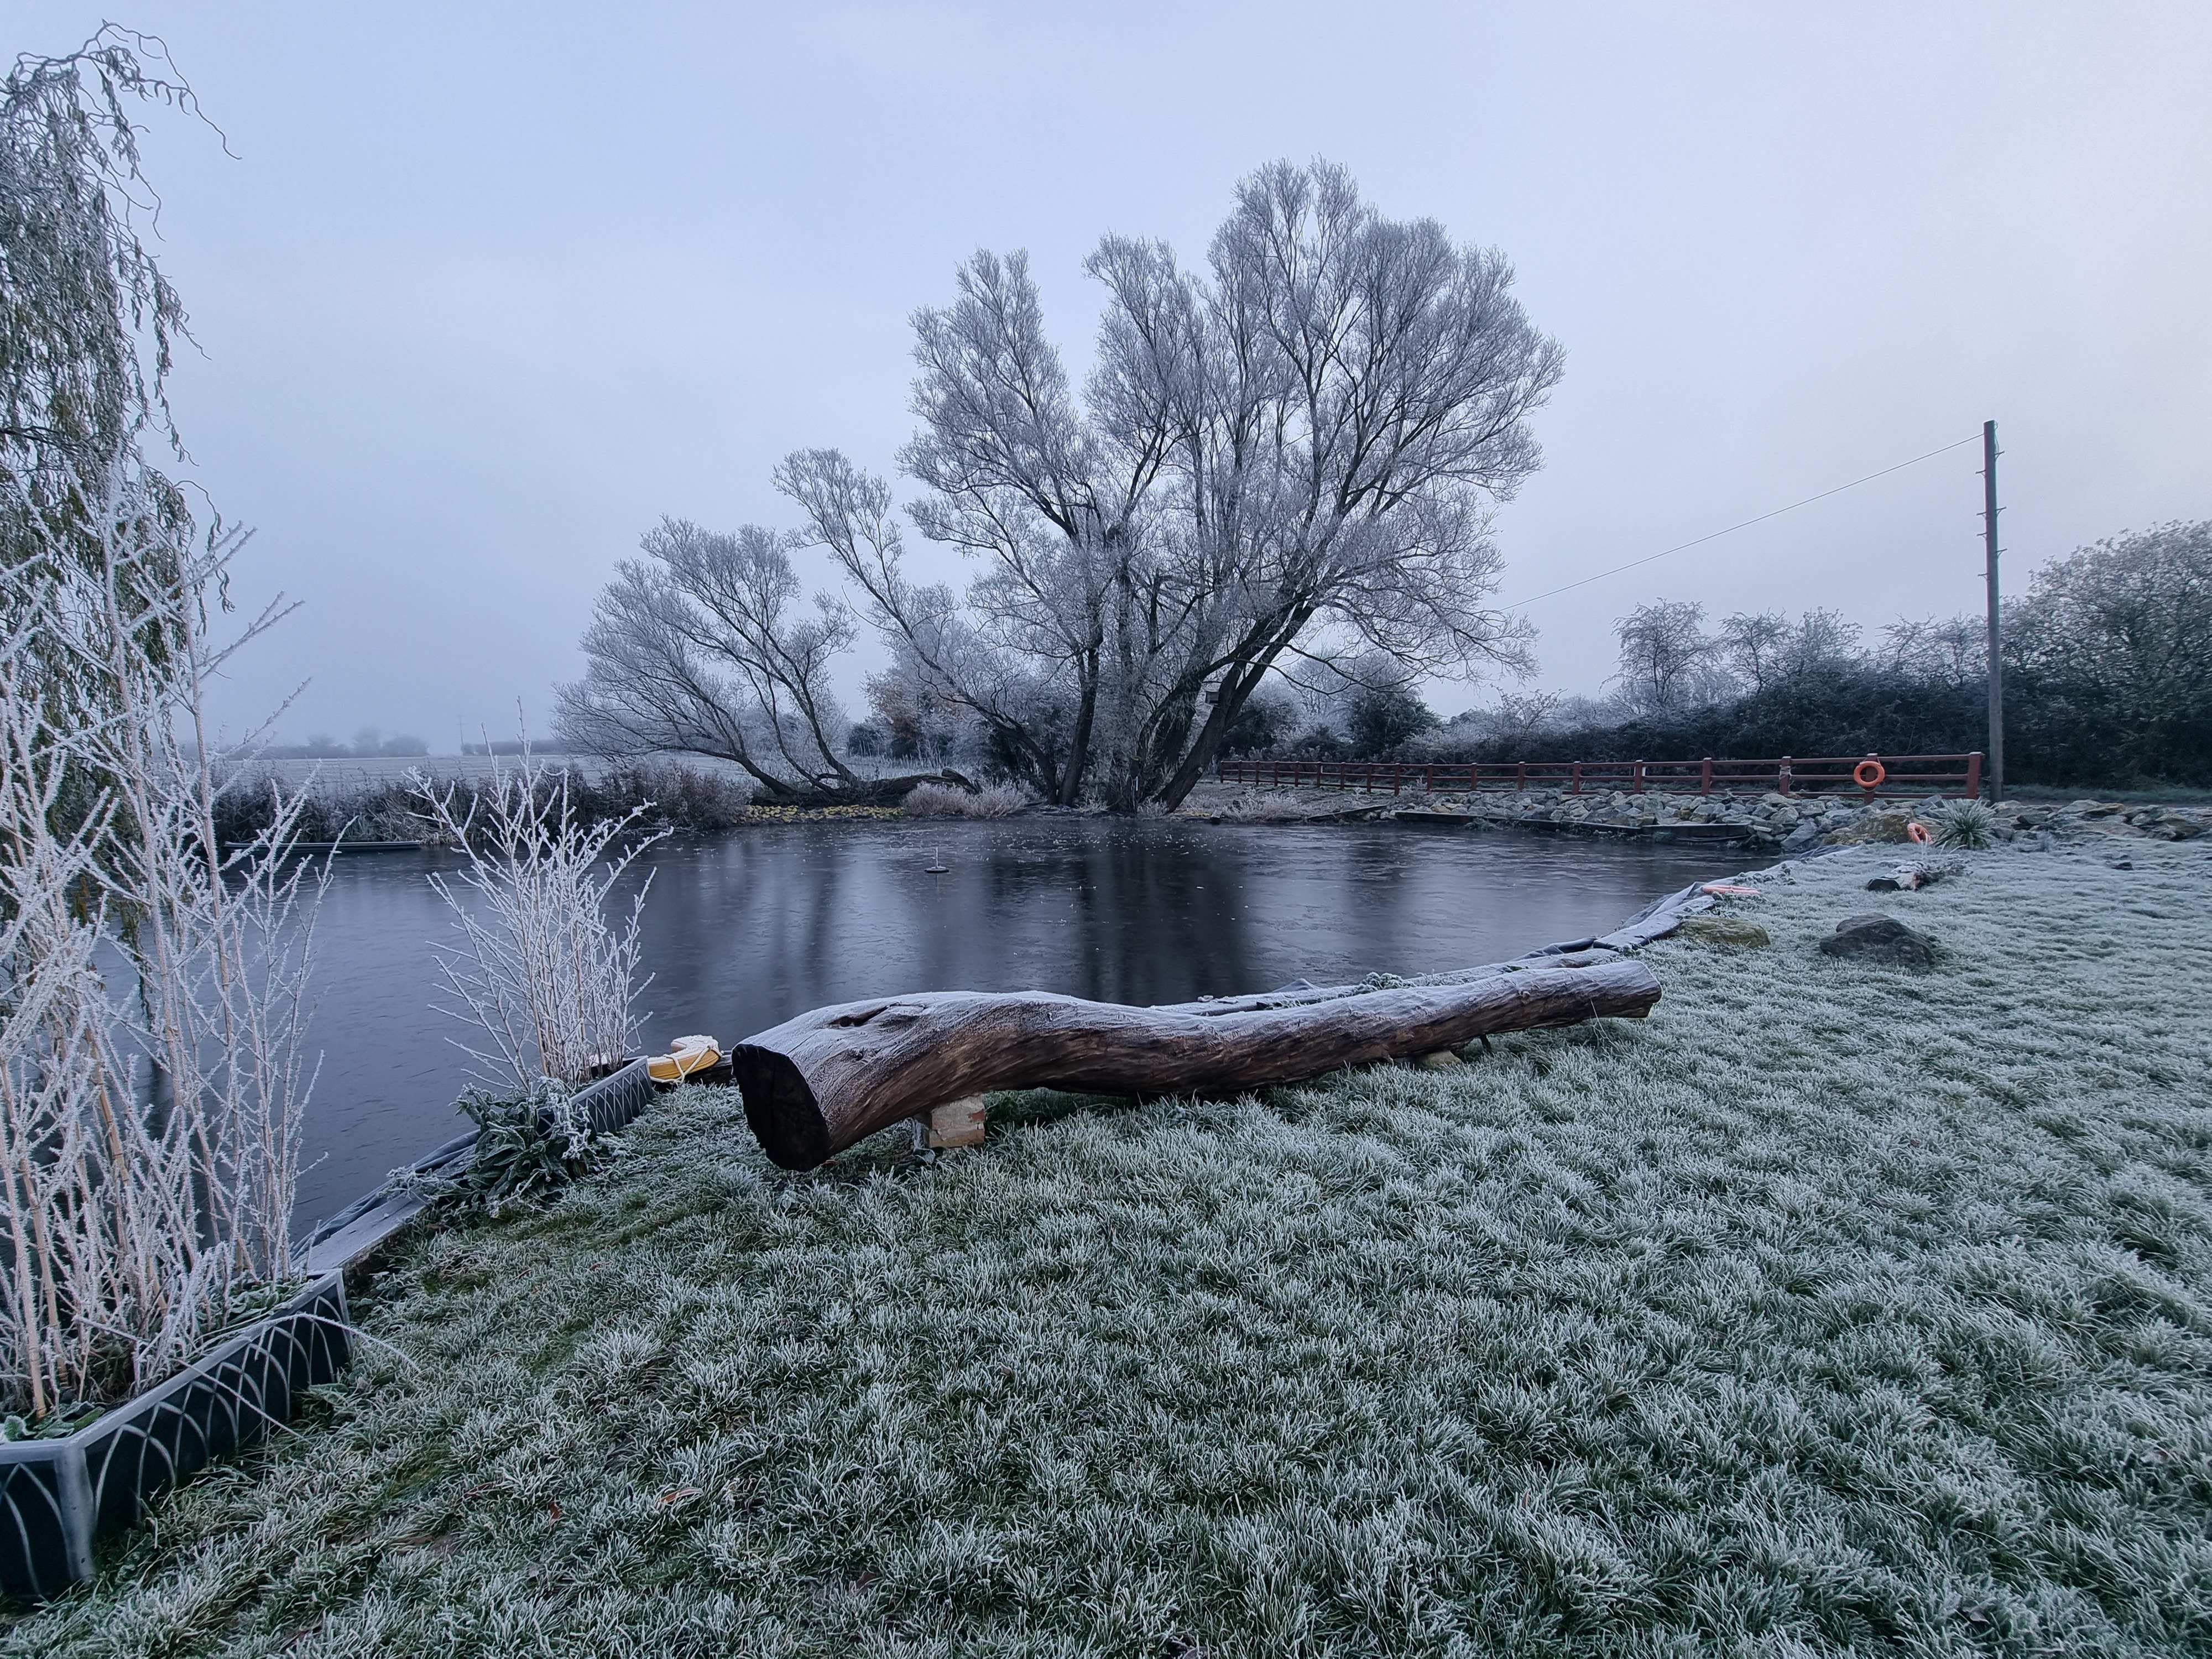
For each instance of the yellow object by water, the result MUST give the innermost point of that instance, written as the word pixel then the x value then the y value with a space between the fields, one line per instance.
pixel 685 1056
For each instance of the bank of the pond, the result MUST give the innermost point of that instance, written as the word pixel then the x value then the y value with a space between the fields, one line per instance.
pixel 742 932
pixel 1834 1308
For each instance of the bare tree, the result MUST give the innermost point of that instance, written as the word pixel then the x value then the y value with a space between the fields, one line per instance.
pixel 916 721
pixel 703 647
pixel 1666 657
pixel 1753 645
pixel 1823 643
pixel 1952 650
pixel 2125 627
pixel 1292 458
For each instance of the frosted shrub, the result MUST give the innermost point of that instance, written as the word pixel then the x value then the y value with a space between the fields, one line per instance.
pixel 540 971
pixel 938 800
pixel 530 1143
pixel 1967 824
pixel 131 1230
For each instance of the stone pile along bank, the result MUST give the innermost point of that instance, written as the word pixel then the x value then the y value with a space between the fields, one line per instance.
pixel 1798 822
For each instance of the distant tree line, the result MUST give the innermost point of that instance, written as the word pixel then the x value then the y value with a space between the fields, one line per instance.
pixel 2107 669
pixel 368 744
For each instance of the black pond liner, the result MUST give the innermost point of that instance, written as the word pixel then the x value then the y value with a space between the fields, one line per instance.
pixel 57 1496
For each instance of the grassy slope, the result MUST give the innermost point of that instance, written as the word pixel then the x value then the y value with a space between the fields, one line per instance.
pixel 1835 1306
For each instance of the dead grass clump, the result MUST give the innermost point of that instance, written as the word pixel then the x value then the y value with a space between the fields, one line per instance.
pixel 1270 807
pixel 941 800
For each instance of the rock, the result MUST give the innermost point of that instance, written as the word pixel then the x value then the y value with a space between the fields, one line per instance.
pixel 1875 827
pixel 1724 930
pixel 1443 1060
pixel 1880 938
pixel 1916 874
pixel 1802 837
pixel 2171 826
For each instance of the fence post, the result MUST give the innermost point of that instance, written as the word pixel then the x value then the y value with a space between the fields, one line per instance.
pixel 1636 779
pixel 1974 776
pixel 1575 786
pixel 1705 783
pixel 1868 787
pixel 1783 781
pixel 1520 775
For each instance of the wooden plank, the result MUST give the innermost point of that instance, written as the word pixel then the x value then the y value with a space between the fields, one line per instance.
pixel 956 1123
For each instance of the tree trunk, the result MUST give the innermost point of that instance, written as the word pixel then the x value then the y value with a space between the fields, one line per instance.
pixel 815 1084
pixel 867 792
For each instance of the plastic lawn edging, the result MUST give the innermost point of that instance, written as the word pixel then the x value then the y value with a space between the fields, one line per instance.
pixel 57 1496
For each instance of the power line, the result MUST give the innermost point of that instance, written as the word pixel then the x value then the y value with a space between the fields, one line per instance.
pixel 1715 535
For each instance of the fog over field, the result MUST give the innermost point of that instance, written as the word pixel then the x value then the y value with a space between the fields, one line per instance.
pixel 482 293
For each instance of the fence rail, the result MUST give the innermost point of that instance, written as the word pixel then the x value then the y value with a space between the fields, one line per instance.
pixel 1820 774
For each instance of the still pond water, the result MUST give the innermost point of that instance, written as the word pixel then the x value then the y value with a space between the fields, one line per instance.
pixel 747 930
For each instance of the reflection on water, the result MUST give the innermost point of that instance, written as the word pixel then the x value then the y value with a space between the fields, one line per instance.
pixel 745 931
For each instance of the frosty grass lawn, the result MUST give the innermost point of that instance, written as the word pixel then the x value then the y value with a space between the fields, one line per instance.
pixel 1833 1308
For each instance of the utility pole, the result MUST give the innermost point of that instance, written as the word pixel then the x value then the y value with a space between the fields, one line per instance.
pixel 1996 639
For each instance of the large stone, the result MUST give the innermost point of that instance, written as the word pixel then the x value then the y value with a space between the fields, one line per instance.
pixel 1724 930
pixel 1880 938
pixel 1875 827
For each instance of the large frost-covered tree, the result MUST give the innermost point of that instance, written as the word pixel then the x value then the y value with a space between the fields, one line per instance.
pixel 1292 455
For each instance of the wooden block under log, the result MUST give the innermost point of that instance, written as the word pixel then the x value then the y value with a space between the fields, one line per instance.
pixel 957 1123
pixel 815 1084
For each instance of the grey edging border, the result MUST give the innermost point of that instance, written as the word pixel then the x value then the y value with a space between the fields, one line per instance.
pixel 612 1103
pixel 57 1496
pixel 1669 910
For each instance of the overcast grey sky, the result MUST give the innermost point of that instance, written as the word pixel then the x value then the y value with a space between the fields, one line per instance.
pixel 489 288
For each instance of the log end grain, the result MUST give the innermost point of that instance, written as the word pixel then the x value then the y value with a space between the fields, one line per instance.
pixel 780 1108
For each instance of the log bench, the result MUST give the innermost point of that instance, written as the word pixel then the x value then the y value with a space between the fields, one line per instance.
pixel 819 1083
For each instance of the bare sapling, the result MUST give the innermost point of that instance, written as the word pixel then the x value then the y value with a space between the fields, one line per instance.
pixel 136 1218
pixel 540 971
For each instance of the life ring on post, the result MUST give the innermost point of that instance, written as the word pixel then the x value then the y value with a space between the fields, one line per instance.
pixel 1868 774
pixel 1918 831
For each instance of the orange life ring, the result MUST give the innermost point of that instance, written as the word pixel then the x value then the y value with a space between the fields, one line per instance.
pixel 1918 831
pixel 1868 774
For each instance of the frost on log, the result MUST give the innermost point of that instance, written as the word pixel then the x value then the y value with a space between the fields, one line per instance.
pixel 815 1084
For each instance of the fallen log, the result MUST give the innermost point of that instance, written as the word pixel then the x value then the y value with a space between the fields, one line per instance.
pixel 815 1084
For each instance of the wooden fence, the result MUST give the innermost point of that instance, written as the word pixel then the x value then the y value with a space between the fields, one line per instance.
pixel 1823 775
